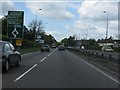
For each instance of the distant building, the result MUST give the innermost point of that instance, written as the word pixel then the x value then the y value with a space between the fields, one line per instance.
pixel 109 42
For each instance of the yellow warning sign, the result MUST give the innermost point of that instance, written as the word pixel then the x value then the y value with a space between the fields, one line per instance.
pixel 18 42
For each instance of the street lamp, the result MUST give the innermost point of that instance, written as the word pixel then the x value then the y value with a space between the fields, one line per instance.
pixel 36 14
pixel 35 28
pixel 106 25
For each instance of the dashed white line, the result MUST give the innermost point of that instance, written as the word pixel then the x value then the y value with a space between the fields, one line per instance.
pixel 49 54
pixel 30 68
pixel 25 73
pixel 43 59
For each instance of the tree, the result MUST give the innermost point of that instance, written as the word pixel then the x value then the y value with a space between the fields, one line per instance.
pixel 71 41
pixel 40 28
pixel 49 39
pixel 110 38
pixel 91 42
pixel 36 28
pixel 25 32
pixel 65 41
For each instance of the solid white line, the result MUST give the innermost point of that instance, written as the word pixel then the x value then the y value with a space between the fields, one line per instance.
pixel 100 71
pixel 24 73
pixel 43 59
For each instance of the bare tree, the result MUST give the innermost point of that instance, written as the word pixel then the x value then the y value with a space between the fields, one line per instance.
pixel 33 26
pixel 40 28
pixel 36 28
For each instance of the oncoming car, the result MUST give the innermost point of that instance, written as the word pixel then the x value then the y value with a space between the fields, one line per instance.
pixel 9 56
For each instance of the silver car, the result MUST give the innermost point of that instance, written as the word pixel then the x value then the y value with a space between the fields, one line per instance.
pixel 9 55
pixel 107 48
pixel 45 48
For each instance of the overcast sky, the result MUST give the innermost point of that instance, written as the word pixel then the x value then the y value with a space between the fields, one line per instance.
pixel 63 18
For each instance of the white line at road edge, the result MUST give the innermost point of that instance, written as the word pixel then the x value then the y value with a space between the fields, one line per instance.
pixel 24 73
pixel 43 59
pixel 99 71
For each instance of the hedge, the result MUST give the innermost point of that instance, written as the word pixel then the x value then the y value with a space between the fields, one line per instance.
pixel 25 43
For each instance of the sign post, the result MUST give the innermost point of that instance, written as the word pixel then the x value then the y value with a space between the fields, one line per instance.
pixel 18 42
pixel 15 24
pixel 15 21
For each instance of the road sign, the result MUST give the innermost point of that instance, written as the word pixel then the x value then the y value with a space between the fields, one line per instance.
pixel 41 41
pixel 38 37
pixel 18 42
pixel 15 24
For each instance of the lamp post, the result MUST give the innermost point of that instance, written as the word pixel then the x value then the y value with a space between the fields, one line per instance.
pixel 35 29
pixel 106 26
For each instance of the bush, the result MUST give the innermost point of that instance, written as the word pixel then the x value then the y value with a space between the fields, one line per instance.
pixel 117 49
pixel 4 38
pixel 27 44
pixel 94 47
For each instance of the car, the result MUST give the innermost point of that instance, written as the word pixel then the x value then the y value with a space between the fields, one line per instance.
pixel 9 55
pixel 61 47
pixel 53 46
pixel 45 48
pixel 107 48
pixel 82 47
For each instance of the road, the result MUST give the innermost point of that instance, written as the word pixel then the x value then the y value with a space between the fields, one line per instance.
pixel 56 69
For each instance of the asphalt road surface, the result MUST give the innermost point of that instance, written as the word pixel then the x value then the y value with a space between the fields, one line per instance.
pixel 56 69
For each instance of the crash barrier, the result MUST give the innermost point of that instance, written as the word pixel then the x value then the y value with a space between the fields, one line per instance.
pixel 110 56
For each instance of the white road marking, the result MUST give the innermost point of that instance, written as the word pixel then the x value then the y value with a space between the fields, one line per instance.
pixel 43 59
pixel 100 71
pixel 31 67
pixel 49 54
pixel 25 73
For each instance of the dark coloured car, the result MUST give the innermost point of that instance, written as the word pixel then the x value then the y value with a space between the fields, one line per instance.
pixel 9 55
pixel 61 47
pixel 45 48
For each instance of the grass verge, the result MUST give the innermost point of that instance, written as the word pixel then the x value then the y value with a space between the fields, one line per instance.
pixel 28 50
